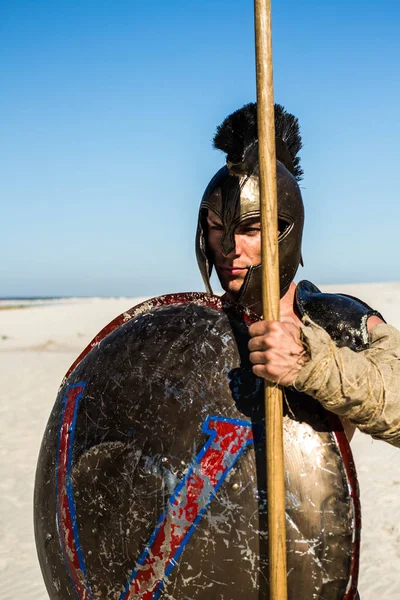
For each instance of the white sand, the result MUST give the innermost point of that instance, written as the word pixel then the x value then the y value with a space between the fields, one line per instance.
pixel 38 344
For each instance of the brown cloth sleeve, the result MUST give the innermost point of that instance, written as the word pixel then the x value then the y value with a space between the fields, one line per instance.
pixel 363 387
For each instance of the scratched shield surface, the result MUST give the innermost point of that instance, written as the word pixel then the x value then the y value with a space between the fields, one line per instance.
pixel 151 476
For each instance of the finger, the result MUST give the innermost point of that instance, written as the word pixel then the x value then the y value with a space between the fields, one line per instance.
pixel 260 328
pixel 258 358
pixel 260 371
pixel 258 343
pixel 286 339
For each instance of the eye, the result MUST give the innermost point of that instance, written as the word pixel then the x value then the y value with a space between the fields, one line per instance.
pixel 252 230
pixel 216 227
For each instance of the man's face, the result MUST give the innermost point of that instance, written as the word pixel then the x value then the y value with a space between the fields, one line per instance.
pixel 232 268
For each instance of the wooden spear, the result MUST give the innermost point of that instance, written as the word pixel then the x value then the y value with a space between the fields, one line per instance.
pixel 270 297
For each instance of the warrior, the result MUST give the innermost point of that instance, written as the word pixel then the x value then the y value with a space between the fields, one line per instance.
pixel 151 479
pixel 334 348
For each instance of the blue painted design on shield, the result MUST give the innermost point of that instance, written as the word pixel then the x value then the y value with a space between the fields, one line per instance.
pixel 212 433
pixel 69 490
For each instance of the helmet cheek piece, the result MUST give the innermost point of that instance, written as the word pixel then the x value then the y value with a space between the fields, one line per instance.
pixel 204 258
pixel 250 292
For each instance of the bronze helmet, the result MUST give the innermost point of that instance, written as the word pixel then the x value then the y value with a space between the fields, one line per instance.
pixel 233 194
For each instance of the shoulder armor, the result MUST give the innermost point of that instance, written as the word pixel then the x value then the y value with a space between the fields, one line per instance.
pixel 343 317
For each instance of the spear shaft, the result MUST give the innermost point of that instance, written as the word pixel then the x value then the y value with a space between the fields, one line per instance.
pixel 270 297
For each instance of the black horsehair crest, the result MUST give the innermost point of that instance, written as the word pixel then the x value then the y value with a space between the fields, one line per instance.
pixel 239 131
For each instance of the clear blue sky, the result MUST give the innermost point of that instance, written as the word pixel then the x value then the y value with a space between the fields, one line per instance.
pixel 108 109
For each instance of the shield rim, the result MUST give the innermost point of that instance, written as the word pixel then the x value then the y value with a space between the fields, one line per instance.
pixel 200 298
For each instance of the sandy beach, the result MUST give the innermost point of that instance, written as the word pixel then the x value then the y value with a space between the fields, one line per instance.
pixel 38 344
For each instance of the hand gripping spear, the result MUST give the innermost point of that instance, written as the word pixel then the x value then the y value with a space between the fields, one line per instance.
pixel 270 297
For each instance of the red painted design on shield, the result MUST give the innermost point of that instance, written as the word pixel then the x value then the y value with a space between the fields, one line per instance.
pixel 187 505
pixel 66 518
pixel 348 462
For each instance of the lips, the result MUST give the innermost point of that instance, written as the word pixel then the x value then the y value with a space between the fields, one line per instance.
pixel 232 270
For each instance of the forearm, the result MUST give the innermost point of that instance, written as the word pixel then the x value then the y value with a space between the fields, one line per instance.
pixel 362 387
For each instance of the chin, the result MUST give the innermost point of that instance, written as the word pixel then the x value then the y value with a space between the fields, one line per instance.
pixel 231 287
pixel 232 292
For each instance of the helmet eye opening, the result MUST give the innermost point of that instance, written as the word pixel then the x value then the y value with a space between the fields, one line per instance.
pixel 284 227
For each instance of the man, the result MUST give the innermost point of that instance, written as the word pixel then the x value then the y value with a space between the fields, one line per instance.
pixel 151 477
pixel 353 372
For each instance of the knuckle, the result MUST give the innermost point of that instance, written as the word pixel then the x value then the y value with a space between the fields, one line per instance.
pixel 273 340
pixel 259 371
pixel 268 356
pixel 275 326
pixel 256 328
pixel 274 371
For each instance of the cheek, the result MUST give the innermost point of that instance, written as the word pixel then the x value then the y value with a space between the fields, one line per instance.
pixel 214 240
pixel 253 249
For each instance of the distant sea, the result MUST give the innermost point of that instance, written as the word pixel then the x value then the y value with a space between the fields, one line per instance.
pixel 35 300
pixel 46 300
pixel 30 299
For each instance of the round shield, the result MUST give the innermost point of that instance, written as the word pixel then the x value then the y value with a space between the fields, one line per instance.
pixel 151 479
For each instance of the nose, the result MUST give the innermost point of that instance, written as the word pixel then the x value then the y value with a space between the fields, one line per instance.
pixel 236 250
